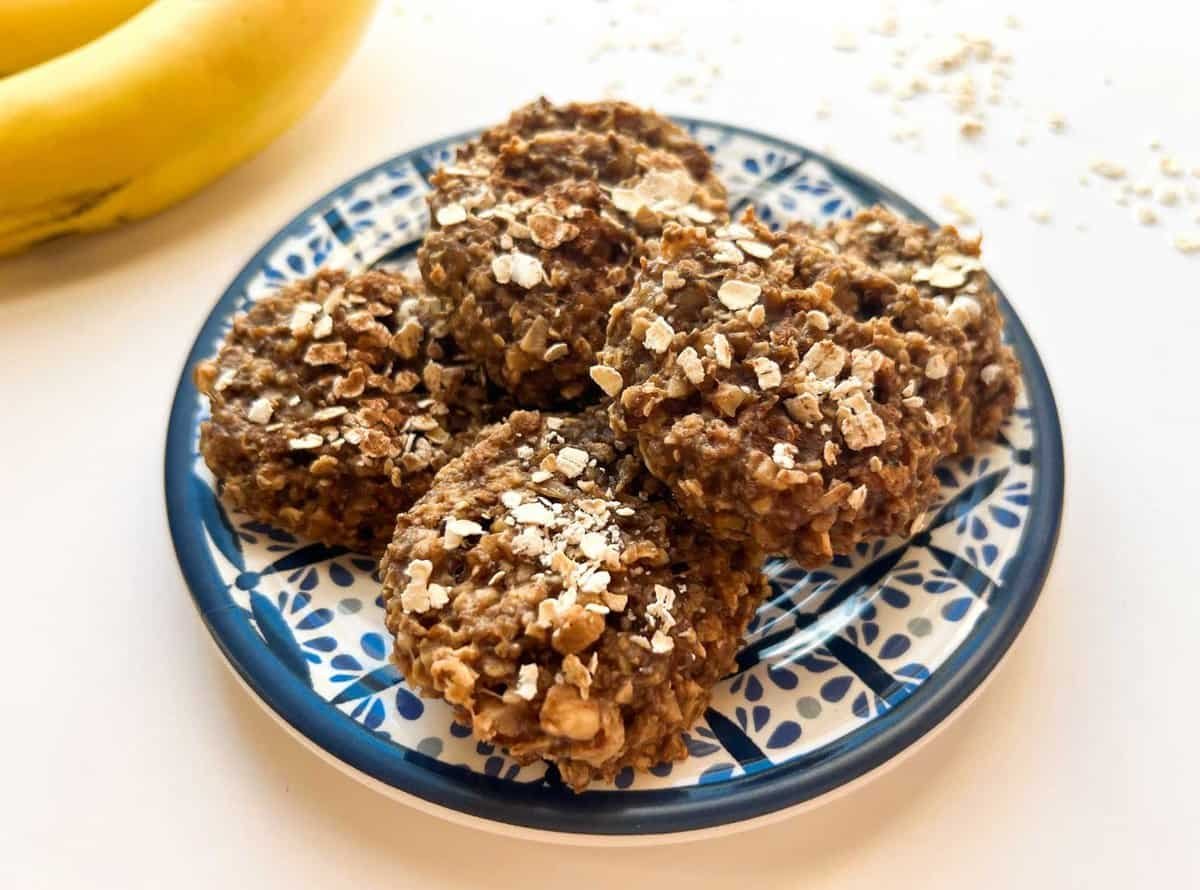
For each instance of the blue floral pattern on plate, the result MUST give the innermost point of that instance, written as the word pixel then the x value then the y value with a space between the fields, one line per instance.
pixel 832 652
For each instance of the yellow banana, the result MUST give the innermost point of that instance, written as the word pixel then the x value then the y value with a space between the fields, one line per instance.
pixel 32 31
pixel 148 113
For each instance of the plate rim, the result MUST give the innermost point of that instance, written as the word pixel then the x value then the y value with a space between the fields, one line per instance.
pixel 665 813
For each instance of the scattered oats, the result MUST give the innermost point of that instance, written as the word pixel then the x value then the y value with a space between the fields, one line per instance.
pixel 451 214
pixel 260 411
pixel 329 413
pixel 735 294
pixel 1084 181
pixel 608 379
pixel 1057 122
pixel 533 513
pixel 1022 140
pixel 1188 242
pixel 1146 216
pixel 1143 189
pixel 555 352
pixel 571 461
pixel 722 350
pixel 693 368
pixel 756 248
pixel 936 368
pixel 880 84
pixel 661 643
pixel 1168 197
pixel 784 455
pixel 527 682
pixel 963 216
pixel 305 442
pixel 845 42
pixel 658 336
pixel 767 371
pixel 857 498
pixel 459 529
pixel 1107 169
pixel 971 128
pixel 1013 22
pixel 987 178
pixel 1170 167
pixel 1040 215
pixel 887 26
pixel 1120 199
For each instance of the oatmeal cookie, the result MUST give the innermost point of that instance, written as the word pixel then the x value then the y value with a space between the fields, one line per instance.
pixel 546 588
pixel 944 268
pixel 334 401
pixel 538 227
pixel 774 415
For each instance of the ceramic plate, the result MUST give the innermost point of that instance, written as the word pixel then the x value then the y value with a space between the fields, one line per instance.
pixel 842 670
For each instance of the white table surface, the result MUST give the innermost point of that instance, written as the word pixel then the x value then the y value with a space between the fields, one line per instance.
pixel 131 759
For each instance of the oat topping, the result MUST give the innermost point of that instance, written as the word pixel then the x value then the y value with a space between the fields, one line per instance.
pixel 658 335
pixel 571 461
pixel 451 214
pixel 693 368
pixel 608 379
pixel 260 411
pixel 767 371
pixel 735 294
pixel 601 628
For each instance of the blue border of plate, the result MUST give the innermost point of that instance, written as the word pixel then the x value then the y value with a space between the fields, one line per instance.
pixel 606 812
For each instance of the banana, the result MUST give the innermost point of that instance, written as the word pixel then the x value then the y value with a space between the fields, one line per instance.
pixel 32 31
pixel 148 113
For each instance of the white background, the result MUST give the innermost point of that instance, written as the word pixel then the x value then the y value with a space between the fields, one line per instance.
pixel 131 759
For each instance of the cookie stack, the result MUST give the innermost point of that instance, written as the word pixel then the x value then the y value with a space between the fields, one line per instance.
pixel 574 440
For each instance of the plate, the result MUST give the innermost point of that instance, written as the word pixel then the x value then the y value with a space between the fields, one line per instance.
pixel 843 669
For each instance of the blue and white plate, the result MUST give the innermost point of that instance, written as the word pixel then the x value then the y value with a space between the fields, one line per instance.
pixel 844 669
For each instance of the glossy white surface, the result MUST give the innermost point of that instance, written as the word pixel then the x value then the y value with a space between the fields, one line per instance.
pixel 135 760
